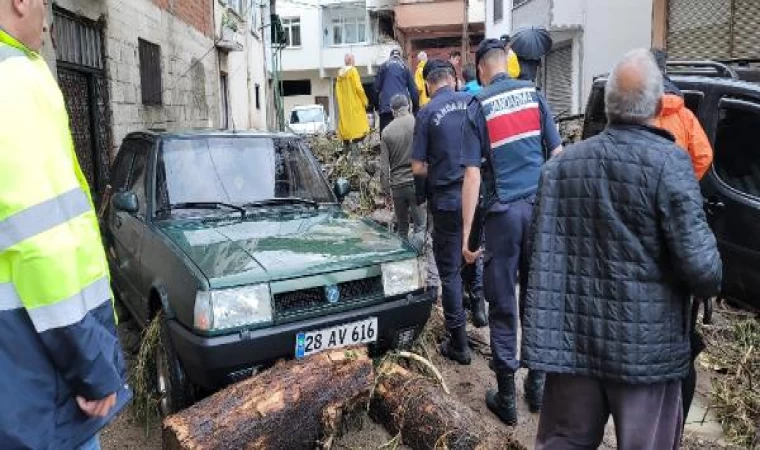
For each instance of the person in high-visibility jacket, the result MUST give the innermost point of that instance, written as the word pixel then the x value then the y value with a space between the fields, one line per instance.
pixel 513 65
pixel 62 373
pixel 419 80
pixel 352 104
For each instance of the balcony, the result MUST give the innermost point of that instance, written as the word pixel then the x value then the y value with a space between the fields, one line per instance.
pixel 366 55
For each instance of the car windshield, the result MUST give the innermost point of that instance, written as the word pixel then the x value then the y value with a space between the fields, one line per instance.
pixel 237 171
pixel 307 115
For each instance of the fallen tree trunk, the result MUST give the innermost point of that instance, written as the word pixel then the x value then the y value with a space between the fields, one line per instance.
pixel 407 403
pixel 294 405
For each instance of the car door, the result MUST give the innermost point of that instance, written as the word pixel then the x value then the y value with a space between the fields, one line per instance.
pixel 127 229
pixel 732 186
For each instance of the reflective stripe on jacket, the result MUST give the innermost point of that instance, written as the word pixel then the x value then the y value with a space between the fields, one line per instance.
pixel 57 325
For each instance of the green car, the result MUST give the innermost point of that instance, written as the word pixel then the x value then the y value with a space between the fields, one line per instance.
pixel 238 240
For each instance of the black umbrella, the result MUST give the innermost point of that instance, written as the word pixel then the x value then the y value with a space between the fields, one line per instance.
pixel 531 43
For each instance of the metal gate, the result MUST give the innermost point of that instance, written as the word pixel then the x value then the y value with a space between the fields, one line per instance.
pixel 558 79
pixel 81 76
pixel 714 29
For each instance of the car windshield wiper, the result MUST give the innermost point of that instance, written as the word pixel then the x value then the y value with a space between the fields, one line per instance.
pixel 283 201
pixel 202 205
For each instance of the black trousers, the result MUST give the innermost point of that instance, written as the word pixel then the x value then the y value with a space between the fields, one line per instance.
pixel 385 119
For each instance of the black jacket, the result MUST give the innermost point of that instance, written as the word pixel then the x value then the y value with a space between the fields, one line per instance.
pixel 619 243
pixel 393 78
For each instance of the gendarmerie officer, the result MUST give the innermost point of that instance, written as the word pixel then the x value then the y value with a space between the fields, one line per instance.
pixel 437 163
pixel 508 130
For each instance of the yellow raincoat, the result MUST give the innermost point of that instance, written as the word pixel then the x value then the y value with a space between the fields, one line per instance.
pixel 419 80
pixel 513 66
pixel 352 105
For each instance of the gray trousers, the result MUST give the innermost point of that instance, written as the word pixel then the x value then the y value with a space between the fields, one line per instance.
pixel 576 409
pixel 405 206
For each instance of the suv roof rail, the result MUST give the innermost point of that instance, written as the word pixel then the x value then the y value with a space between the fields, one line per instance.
pixel 722 69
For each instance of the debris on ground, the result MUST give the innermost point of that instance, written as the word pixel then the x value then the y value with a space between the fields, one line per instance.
pixel 142 376
pixel 294 405
pixel 733 350
pixel 423 417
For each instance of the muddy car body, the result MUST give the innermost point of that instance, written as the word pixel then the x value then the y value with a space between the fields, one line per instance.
pixel 238 241
pixel 729 110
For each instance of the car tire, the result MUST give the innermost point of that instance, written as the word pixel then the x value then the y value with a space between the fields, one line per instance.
pixel 173 390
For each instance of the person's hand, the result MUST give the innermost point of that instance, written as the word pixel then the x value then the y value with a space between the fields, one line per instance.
pixel 97 408
pixel 471 257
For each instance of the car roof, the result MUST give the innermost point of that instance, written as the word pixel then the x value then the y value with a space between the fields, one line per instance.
pixel 602 80
pixel 155 134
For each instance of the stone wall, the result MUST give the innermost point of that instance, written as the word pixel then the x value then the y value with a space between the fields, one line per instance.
pixel 189 65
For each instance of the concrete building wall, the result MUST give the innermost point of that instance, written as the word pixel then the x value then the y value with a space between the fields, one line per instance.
pixel 320 87
pixel 497 28
pixel 567 13
pixel 308 55
pixel 189 66
pixel 611 29
pixel 534 12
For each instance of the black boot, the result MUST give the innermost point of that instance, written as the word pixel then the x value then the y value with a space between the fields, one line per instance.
pixel 456 347
pixel 502 401
pixel 534 390
pixel 478 310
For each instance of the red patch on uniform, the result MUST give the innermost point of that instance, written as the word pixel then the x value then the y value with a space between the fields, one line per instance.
pixel 514 124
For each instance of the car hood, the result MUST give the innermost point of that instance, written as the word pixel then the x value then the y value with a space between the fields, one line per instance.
pixel 276 245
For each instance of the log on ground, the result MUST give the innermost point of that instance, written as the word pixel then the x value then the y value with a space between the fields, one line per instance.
pixel 294 405
pixel 414 406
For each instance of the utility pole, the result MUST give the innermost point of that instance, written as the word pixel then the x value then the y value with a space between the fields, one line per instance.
pixel 465 34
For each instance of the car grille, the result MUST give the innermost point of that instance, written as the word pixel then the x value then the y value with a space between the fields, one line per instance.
pixel 287 303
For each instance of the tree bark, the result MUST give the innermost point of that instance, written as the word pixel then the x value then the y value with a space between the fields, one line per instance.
pixel 427 418
pixel 294 405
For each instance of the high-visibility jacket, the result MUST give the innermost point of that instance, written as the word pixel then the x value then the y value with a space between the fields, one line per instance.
pixel 57 325
pixel 352 105
pixel 676 118
pixel 419 80
pixel 513 65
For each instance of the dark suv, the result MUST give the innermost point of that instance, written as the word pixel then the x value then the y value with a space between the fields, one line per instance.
pixel 241 245
pixel 729 110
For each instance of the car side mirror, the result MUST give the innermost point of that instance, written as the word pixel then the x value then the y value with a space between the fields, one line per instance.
pixel 126 202
pixel 341 188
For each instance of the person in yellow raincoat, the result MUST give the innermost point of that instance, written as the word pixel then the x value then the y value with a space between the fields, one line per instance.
pixel 419 80
pixel 513 65
pixel 353 125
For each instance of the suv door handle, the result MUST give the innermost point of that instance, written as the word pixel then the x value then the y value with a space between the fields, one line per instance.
pixel 714 206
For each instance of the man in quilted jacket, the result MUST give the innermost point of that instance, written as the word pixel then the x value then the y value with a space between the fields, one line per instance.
pixel 619 243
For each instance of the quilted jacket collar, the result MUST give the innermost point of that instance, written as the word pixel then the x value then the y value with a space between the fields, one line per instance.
pixel 619 129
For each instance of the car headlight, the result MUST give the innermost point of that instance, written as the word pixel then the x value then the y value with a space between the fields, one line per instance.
pixel 401 277
pixel 232 308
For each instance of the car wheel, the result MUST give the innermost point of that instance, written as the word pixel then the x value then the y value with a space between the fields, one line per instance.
pixel 174 391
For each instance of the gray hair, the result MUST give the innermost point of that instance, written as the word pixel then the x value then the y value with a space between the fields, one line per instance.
pixel 422 56
pixel 399 103
pixel 634 89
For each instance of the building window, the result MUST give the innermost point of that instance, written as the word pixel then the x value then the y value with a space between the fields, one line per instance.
pixel 498 10
pixel 238 6
pixel 737 158
pixel 258 96
pixel 150 72
pixel 519 3
pixel 296 87
pixel 292 29
pixel 349 30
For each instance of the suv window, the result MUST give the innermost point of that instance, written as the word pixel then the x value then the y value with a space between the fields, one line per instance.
pixel 137 180
pixel 737 155
pixel 236 170
pixel 122 164
pixel 692 100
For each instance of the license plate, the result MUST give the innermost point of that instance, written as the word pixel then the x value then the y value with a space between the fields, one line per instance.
pixel 311 342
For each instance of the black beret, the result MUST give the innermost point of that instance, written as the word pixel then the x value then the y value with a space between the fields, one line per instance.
pixel 486 46
pixel 436 64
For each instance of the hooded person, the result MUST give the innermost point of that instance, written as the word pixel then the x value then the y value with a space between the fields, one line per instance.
pixel 419 80
pixel 513 65
pixel 676 118
pixel 352 103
